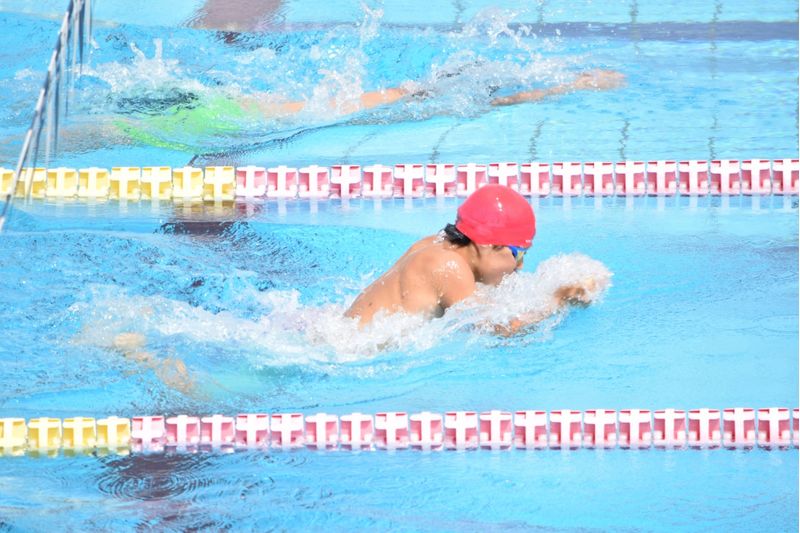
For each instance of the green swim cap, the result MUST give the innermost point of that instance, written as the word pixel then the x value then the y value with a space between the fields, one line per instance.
pixel 195 128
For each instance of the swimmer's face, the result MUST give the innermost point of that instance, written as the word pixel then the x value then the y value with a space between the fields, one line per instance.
pixel 495 263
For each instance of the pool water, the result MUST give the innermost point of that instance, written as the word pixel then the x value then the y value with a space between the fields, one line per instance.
pixel 703 310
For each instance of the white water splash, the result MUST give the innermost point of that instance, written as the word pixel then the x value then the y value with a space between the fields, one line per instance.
pixel 291 333
pixel 143 74
pixel 526 294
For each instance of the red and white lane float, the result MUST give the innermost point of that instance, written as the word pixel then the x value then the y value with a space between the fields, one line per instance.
pixel 756 177
pixel 322 431
pixel 378 182
pixel 635 428
pixel 148 433
pixel 774 427
pixel 669 428
pixel 281 182
pixel 314 182
pixel 661 178
pixel 534 179
pixel 357 431
pixel 409 180
pixel 440 179
pixel 504 174
pixel 530 429
pixel 738 427
pixel 252 430
pixel 704 428
pixel 600 428
pixel 599 178
pixel 460 430
pixel 391 430
pixel 693 177
pixel 286 430
pixel 427 431
pixel 565 429
pixel 725 176
pixel 182 431
pixel 630 178
pixel 786 176
pixel 469 178
pixel 345 181
pixel 217 431
pixel 566 179
pixel 795 429
pixel 496 429
pixel 251 181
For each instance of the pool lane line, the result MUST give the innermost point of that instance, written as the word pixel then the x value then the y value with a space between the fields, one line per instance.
pixel 774 428
pixel 563 179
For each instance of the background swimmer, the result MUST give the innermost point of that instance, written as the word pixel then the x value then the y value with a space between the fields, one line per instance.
pixel 216 115
pixel 590 80
pixel 494 229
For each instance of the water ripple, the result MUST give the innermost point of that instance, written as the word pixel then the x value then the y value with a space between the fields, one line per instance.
pixel 154 477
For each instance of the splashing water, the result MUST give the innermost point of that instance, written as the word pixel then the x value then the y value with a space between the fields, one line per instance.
pixel 290 333
pixel 190 92
pixel 143 78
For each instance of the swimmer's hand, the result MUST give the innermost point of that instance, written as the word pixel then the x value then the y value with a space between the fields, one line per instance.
pixel 599 80
pixel 579 294
pixel 591 80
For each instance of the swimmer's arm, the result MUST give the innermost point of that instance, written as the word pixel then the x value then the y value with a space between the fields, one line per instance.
pixel 592 80
pixel 566 296
pixel 367 100
pixel 172 372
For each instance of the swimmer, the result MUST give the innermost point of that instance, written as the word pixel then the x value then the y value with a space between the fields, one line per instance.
pixel 494 229
pixel 182 115
pixel 590 80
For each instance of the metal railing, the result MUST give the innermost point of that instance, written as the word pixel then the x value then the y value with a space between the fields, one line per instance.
pixel 75 32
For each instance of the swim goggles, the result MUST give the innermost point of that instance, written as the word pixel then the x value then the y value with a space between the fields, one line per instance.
pixel 518 252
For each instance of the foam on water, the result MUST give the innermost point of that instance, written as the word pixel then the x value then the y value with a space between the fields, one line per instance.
pixel 290 333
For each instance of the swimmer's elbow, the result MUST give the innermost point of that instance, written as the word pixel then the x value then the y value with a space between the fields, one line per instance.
pixel 362 319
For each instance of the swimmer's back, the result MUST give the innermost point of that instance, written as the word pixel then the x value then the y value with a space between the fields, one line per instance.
pixel 412 285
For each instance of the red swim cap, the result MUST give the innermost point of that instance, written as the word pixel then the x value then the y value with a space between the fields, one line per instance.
pixel 496 214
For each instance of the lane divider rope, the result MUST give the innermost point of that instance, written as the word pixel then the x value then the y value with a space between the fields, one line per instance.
pixel 724 177
pixel 740 427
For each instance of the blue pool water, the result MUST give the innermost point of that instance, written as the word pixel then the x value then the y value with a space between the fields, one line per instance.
pixel 702 311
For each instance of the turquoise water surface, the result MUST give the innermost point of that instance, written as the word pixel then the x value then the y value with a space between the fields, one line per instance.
pixel 702 311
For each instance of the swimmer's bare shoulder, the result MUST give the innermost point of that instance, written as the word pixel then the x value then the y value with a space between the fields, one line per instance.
pixel 447 276
pixel 429 277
